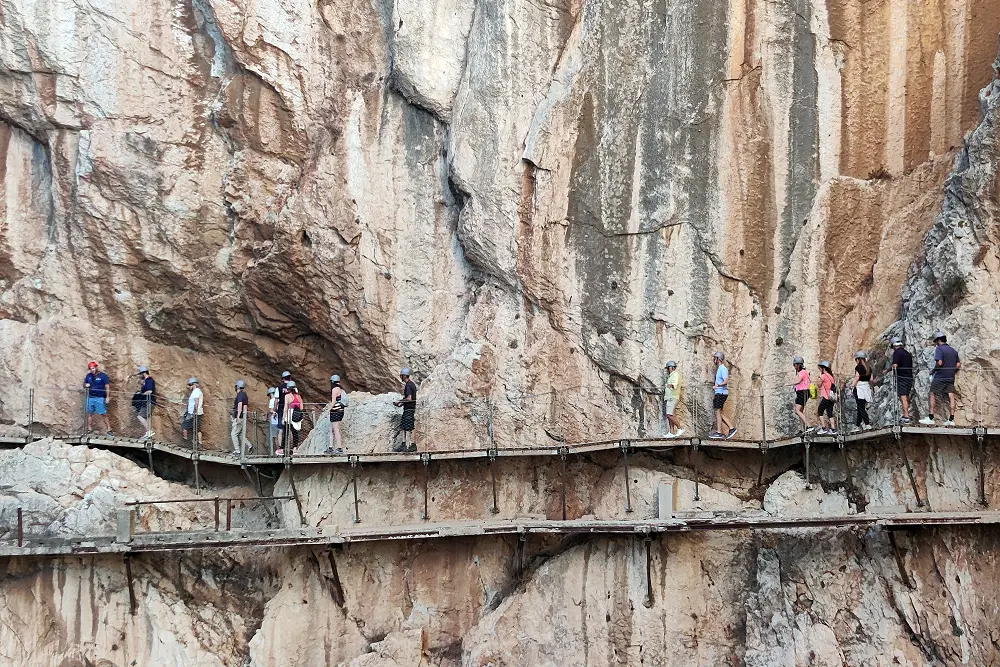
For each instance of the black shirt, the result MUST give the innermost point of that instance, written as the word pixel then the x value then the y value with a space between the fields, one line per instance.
pixel 903 361
pixel 863 374
pixel 282 392
pixel 409 396
pixel 241 397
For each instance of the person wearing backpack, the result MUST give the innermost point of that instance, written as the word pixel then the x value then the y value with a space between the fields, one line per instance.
pixel 801 385
pixel 338 401
pixel 143 401
pixel 827 399
pixel 862 386
pixel 293 417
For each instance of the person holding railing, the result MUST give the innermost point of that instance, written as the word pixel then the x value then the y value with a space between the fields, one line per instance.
pixel 671 396
pixel 239 416
pixel 98 388
pixel 902 370
pixel 801 386
pixel 143 400
pixel 337 407
pixel 195 411
pixel 862 386
pixel 827 399
pixel 409 404
pixel 720 393
pixel 946 366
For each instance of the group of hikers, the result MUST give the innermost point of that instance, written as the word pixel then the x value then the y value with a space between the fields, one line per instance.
pixel 946 366
pixel 285 411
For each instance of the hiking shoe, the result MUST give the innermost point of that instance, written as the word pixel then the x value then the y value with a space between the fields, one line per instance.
pixel 411 448
pixel 715 435
pixel 831 431
pixel 678 432
pixel 669 435
pixel 334 450
pixel 279 452
pixel 927 421
pixel 813 429
pixel 732 432
pixel 949 423
pixel 905 420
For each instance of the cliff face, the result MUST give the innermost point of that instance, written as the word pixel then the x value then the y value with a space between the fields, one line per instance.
pixel 513 198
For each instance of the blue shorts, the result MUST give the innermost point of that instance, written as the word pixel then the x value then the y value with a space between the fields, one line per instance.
pixel 95 406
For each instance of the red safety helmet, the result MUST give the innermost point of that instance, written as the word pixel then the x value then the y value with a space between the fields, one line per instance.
pixel 92 364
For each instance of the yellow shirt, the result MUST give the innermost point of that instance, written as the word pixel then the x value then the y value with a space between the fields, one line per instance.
pixel 675 380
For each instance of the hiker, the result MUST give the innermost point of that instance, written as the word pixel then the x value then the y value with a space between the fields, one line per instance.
pixel 143 400
pixel 946 366
pixel 273 420
pixel 801 386
pixel 337 405
pixel 862 386
pixel 282 395
pixel 409 405
pixel 98 388
pixel 293 417
pixel 671 396
pixel 239 417
pixel 721 393
pixel 195 411
pixel 827 399
pixel 902 369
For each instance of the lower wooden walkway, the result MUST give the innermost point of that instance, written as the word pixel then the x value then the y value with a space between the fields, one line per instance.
pixel 32 546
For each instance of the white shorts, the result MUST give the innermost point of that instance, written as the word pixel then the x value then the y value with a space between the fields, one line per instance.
pixel 669 406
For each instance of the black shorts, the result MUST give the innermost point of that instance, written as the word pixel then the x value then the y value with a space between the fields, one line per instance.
pixel 719 400
pixel 337 415
pixel 188 422
pixel 407 422
pixel 942 387
pixel 825 407
pixel 904 386
pixel 801 396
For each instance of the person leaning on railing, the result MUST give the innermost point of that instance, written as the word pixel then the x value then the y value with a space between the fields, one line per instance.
pixel 946 366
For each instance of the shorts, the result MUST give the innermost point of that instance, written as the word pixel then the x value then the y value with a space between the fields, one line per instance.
pixel 942 387
pixel 96 406
pixel 273 430
pixel 669 406
pixel 825 407
pixel 407 422
pixel 188 422
pixel 337 415
pixel 801 396
pixel 904 386
pixel 719 400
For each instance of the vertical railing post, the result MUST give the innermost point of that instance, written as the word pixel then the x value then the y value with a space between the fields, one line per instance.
pixel 894 383
pixel 243 439
pixel 648 599
pixel 229 514
pixel 491 462
pixel 624 445
pixel 763 439
pixel 354 483
pixel 20 527
pixel 217 499
pixel 31 413
pixel 85 430
pixel 425 459
pixel 563 451
pixel 694 452
pixel 195 451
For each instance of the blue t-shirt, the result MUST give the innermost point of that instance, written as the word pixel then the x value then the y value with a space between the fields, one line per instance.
pixel 98 385
pixel 721 375
pixel 948 357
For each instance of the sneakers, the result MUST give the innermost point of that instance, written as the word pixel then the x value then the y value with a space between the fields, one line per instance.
pixel 731 433
pixel 927 421
pixel 823 431
pixel 949 423
pixel 678 433
pixel 831 431
pixel 279 452
pixel 715 435
pixel 905 420
pixel 669 435
pixel 334 450
pixel 813 429
pixel 149 435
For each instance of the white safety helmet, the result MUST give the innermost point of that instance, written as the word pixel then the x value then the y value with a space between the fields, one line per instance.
pixel 286 374
pixel 240 384
pixel 860 354
pixel 192 381
pixel 405 372
pixel 719 355
pixel 142 369
pixel 798 361
pixel 896 341
pixel 334 378
pixel 940 335
pixel 671 364
pixel 824 364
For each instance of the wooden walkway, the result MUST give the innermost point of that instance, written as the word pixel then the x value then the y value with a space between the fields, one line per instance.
pixel 50 547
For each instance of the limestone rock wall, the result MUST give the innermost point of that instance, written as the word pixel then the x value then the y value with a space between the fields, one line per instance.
pixel 534 205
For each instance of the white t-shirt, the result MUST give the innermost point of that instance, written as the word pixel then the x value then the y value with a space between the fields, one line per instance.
pixel 200 397
pixel 272 403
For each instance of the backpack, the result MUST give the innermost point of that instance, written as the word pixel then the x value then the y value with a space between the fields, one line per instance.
pixel 833 393
pixel 812 391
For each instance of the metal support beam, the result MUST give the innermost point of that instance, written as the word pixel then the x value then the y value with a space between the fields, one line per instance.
pixel 625 445
pixel 899 560
pixel 425 458
pixel 981 456
pixel 806 441
pixel 763 443
pixel 648 600
pixel 695 442
pixel 491 461
pixel 216 506
pixel 295 496
pixel 354 482
pixel 563 451
pixel 149 455
pixel 132 606
pixel 909 468
pixel 522 537
pixel 229 514
pixel 20 527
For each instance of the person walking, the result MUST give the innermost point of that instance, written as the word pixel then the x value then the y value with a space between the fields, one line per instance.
pixel 902 371
pixel 801 386
pixel 409 404
pixel 671 397
pixel 143 401
pixel 98 388
pixel 946 366
pixel 273 420
pixel 862 386
pixel 720 394
pixel 282 396
pixel 337 406
pixel 293 417
pixel 239 416
pixel 827 399
pixel 195 411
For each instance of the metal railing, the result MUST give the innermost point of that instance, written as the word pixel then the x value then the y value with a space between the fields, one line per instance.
pixel 759 406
